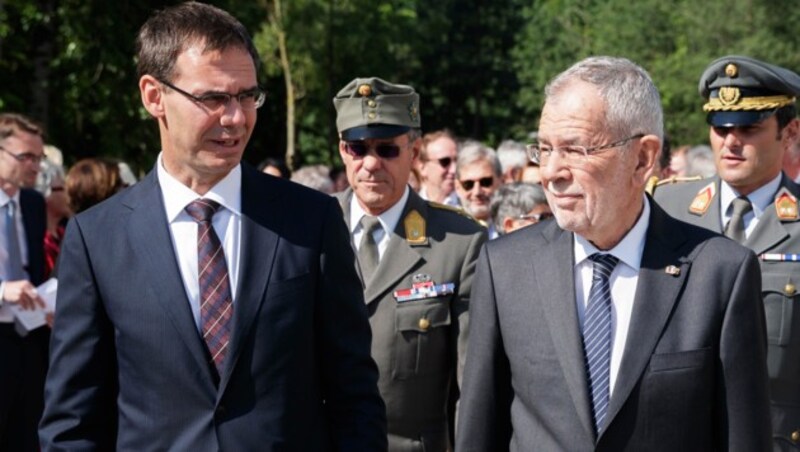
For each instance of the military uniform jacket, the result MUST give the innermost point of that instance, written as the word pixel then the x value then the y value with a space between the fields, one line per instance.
pixel 419 345
pixel 780 280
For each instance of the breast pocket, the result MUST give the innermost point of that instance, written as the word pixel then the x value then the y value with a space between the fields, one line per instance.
pixel 780 298
pixel 421 345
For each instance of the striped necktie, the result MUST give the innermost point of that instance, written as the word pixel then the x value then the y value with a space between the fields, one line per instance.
pixel 597 336
pixel 216 303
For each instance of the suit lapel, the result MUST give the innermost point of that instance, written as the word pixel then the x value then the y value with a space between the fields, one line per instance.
pixel 656 293
pixel 344 202
pixel 555 276
pixel 152 245
pixel 399 258
pixel 258 246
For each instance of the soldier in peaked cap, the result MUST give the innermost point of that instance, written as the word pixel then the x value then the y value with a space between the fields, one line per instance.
pixel 416 260
pixel 752 117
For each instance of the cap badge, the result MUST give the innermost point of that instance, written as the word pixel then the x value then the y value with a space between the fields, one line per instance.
pixel 786 206
pixel 413 112
pixel 731 70
pixel 415 229
pixel 702 201
pixel 365 90
pixel 729 95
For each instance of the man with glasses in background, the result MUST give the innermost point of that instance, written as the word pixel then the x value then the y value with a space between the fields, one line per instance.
pixel 209 306
pixel 752 117
pixel 416 260
pixel 478 174
pixel 437 167
pixel 516 205
pixel 615 327
pixel 23 360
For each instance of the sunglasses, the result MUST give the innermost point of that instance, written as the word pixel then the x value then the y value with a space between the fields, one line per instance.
pixel 361 149
pixel 535 216
pixel 484 182
pixel 445 162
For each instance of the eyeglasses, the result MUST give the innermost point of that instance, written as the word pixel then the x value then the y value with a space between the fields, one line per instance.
pixel 484 182
pixel 250 99
pixel 572 154
pixel 444 162
pixel 25 157
pixel 383 150
pixel 535 217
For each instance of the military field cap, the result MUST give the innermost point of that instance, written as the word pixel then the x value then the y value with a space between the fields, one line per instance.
pixel 743 91
pixel 374 108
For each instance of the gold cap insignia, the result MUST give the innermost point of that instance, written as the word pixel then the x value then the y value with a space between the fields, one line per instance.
pixel 789 289
pixel 702 201
pixel 786 206
pixel 365 90
pixel 672 270
pixel 415 229
pixel 729 95
pixel 731 70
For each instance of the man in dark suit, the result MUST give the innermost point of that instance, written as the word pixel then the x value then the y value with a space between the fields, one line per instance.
pixel 416 259
pixel 22 216
pixel 616 327
pixel 210 306
pixel 753 122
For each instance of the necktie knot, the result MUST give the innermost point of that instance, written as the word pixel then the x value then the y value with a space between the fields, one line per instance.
pixel 736 227
pixel 370 224
pixel 368 255
pixel 604 262
pixel 202 209
pixel 741 206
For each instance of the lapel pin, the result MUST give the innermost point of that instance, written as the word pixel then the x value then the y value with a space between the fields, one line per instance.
pixel 672 270
pixel 421 278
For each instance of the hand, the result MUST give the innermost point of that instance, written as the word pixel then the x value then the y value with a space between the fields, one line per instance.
pixel 22 293
pixel 50 318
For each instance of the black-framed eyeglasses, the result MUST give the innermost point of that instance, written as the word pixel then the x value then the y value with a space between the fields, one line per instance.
pixel 535 217
pixel 572 154
pixel 383 150
pixel 484 182
pixel 25 157
pixel 250 99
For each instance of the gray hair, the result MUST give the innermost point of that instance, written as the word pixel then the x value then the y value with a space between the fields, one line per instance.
pixel 512 154
pixel 49 173
pixel 471 151
pixel 513 200
pixel 632 102
pixel 700 162
pixel 314 176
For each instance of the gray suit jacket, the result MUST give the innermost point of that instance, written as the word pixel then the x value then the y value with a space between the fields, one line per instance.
pixel 693 373
pixel 780 283
pixel 130 371
pixel 419 345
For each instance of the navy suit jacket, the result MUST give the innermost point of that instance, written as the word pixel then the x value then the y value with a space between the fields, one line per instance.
pixel 34 217
pixel 129 370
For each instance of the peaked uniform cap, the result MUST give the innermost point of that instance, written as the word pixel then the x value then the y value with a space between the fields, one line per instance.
pixel 374 108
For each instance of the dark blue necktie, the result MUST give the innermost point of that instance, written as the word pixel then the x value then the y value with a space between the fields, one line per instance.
pixel 597 335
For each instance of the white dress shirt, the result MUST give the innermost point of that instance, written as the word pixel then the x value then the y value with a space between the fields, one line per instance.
pixel 227 223
pixel 388 220
pixel 6 315
pixel 623 282
pixel 760 199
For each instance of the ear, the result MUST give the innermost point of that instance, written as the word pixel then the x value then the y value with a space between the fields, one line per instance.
pixel 152 96
pixel 508 224
pixel 790 134
pixel 416 148
pixel 342 153
pixel 646 157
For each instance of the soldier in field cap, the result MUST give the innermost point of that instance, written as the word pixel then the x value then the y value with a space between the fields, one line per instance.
pixel 416 260
pixel 751 108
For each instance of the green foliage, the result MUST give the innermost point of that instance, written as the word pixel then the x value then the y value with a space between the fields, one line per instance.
pixel 480 66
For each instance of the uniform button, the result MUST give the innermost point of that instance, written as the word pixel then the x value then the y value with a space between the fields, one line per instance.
pixel 371 115
pixel 371 103
pixel 789 289
pixel 424 324
pixel 796 436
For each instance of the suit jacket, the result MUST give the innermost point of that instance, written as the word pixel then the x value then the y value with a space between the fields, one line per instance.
pixel 34 220
pixel 780 280
pixel 129 369
pixel 693 372
pixel 420 345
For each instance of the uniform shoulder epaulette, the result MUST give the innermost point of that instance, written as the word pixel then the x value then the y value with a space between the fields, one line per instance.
pixel 677 180
pixel 458 210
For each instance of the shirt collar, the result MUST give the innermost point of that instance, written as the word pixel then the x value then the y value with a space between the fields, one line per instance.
pixel 629 250
pixel 4 198
pixel 388 218
pixel 760 199
pixel 227 192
